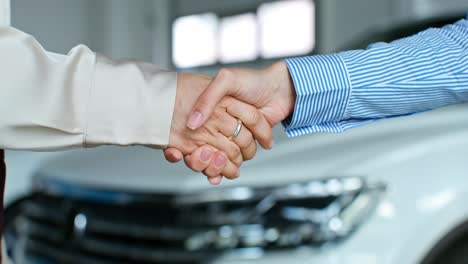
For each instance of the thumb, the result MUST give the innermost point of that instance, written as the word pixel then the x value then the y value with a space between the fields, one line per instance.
pixel 222 85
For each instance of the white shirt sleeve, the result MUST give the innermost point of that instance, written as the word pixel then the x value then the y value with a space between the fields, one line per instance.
pixel 51 101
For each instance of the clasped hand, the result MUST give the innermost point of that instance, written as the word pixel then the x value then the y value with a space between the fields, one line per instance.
pixel 207 112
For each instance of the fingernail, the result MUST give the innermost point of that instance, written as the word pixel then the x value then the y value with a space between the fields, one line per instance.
pixel 205 156
pixel 272 144
pixel 220 161
pixel 237 174
pixel 195 120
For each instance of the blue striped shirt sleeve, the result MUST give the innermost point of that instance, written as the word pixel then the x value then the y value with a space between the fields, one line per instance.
pixel 340 91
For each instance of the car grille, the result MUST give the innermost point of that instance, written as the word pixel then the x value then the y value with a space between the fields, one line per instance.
pixel 63 223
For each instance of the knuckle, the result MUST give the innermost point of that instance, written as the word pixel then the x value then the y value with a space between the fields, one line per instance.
pixel 212 171
pixel 225 74
pixel 226 102
pixel 248 156
pixel 235 156
pixel 192 165
pixel 196 168
pixel 235 151
pixel 252 151
pixel 230 171
pixel 231 175
pixel 254 116
pixel 245 143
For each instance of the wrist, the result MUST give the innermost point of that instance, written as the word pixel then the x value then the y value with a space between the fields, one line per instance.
pixel 285 86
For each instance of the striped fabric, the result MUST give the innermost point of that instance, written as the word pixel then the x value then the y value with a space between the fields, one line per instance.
pixel 341 91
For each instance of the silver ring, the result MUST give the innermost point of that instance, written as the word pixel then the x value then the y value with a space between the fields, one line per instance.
pixel 237 131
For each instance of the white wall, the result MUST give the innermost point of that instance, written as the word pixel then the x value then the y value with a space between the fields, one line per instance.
pixel 118 28
pixel 4 12
pixel 124 28
pixel 57 24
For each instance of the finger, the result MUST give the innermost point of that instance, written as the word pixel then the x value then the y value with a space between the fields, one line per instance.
pixel 233 151
pixel 220 165
pixel 200 158
pixel 249 152
pixel 226 125
pixel 173 155
pixel 230 171
pixel 252 118
pixel 217 165
pixel 214 166
pixel 223 84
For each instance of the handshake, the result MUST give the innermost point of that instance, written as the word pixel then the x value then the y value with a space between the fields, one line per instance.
pixel 217 122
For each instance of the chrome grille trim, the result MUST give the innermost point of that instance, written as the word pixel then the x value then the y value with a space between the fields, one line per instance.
pixel 98 226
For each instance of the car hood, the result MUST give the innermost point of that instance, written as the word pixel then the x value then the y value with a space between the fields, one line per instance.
pixel 363 151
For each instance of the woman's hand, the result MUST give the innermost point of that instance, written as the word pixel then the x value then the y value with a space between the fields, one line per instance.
pixel 219 155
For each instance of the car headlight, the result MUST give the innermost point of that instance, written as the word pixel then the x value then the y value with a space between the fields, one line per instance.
pixel 313 212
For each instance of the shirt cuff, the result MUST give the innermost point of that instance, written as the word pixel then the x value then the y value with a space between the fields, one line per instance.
pixel 130 104
pixel 323 90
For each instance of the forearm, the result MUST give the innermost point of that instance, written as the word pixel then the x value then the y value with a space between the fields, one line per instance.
pixel 348 89
pixel 52 101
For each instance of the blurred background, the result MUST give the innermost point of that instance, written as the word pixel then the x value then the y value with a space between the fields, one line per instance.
pixel 165 32
pixel 203 36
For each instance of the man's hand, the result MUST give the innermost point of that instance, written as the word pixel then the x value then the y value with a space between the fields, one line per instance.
pixel 270 90
pixel 221 154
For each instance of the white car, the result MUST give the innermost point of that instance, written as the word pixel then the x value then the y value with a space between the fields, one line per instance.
pixel 394 191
